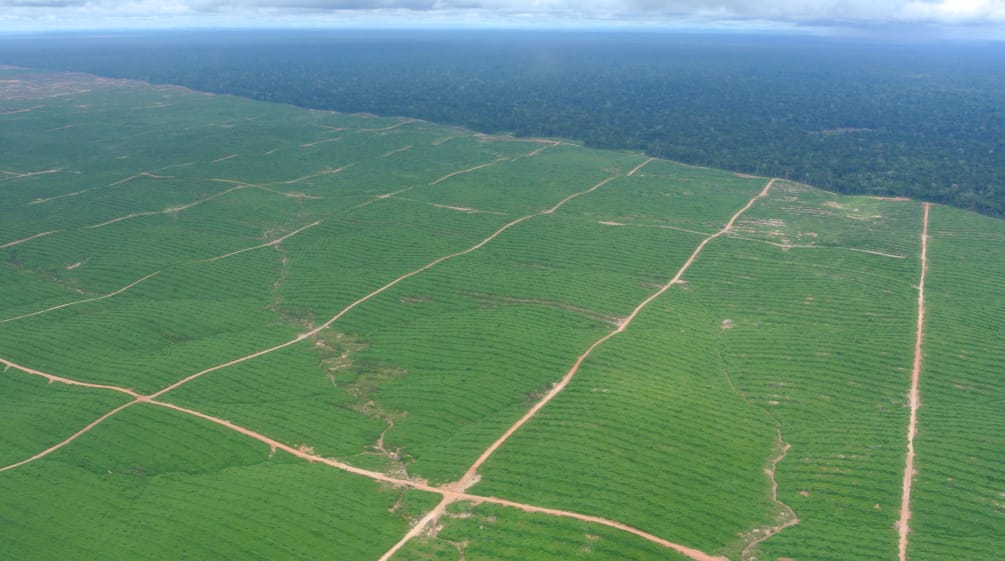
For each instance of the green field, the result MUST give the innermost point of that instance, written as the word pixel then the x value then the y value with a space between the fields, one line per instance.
pixel 231 329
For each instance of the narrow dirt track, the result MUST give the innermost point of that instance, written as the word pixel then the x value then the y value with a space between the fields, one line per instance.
pixel 84 301
pixel 788 246
pixel 537 151
pixel 25 110
pixel 75 436
pixel 138 281
pixel 63 196
pixel 170 209
pixel 17 175
pixel 395 151
pixel 430 518
pixel 313 458
pixel 903 525
pixel 323 141
pixel 463 209
pixel 468 170
pixel 318 174
pixel 119 182
pixel 387 128
pixel 684 550
pixel 139 175
pixel 52 378
pixel 28 239
pixel 640 166
pixel 574 195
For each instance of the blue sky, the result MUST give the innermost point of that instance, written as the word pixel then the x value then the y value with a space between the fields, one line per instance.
pixel 979 18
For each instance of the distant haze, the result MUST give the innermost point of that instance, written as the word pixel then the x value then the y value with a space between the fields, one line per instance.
pixel 956 18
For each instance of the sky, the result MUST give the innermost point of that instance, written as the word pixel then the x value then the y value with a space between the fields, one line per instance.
pixel 977 18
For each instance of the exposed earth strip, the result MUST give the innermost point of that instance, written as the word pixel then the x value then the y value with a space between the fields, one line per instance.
pixel 73 437
pixel 640 166
pixel 84 301
pixel 903 525
pixel 468 170
pixel 52 378
pixel 29 238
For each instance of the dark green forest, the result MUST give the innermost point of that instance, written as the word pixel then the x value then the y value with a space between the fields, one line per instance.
pixel 921 120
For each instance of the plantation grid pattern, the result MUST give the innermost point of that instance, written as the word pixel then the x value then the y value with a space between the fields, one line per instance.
pixel 506 348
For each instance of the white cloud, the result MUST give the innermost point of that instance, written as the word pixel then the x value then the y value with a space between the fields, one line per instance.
pixel 142 13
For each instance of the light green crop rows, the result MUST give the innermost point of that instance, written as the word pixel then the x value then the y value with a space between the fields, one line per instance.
pixel 959 492
pixel 493 533
pixel 461 276
pixel 152 484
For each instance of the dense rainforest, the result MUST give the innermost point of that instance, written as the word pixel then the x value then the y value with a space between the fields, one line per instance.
pixel 925 120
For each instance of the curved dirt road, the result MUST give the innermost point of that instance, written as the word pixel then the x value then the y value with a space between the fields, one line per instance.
pixel 73 437
pixel 84 301
pixel 640 166
pixel 61 380
pixel 28 239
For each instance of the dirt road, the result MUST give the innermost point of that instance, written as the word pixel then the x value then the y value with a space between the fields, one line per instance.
pixel 84 301
pixel 52 378
pixel 468 170
pixel 640 166
pixel 903 525
pixel 29 238
pixel 559 204
pixel 73 437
